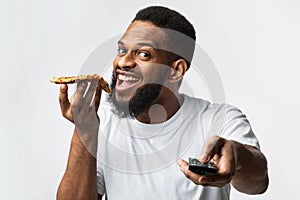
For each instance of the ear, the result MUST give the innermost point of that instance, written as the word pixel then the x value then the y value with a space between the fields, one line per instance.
pixel 179 68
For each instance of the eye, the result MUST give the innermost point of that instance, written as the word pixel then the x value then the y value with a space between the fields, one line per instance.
pixel 144 55
pixel 122 51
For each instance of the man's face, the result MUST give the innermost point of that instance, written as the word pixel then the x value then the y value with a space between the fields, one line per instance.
pixel 140 68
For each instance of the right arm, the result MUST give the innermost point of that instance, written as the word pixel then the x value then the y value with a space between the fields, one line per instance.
pixel 80 178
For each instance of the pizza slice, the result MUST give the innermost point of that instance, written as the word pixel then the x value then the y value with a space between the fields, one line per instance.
pixel 76 79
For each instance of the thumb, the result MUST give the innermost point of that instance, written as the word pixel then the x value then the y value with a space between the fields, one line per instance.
pixel 211 148
pixel 64 102
pixel 63 98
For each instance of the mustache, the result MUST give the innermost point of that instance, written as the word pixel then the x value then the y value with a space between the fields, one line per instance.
pixel 131 70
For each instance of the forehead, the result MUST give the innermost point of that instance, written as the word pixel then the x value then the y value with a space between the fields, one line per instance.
pixel 141 32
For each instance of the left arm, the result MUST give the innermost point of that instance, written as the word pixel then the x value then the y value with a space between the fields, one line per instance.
pixel 242 165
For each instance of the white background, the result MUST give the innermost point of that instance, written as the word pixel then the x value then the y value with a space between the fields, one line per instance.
pixel 253 44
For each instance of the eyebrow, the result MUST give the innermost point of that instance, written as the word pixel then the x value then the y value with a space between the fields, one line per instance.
pixel 146 44
pixel 120 42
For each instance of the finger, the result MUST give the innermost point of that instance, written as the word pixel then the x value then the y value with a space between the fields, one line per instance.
pixel 219 179
pixel 212 147
pixel 181 162
pixel 183 167
pixel 90 92
pixel 226 163
pixel 77 98
pixel 63 98
pixel 226 166
pixel 97 97
pixel 196 178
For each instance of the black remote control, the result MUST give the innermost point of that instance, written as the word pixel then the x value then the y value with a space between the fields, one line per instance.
pixel 202 168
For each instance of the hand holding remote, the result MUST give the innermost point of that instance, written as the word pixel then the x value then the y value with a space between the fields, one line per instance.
pixel 202 168
pixel 219 173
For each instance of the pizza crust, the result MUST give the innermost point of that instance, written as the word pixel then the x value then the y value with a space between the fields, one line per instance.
pixel 75 79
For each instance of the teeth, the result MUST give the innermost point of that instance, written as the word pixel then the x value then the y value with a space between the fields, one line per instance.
pixel 121 77
pixel 127 78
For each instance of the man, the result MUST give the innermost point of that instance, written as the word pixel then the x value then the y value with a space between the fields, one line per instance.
pixel 149 125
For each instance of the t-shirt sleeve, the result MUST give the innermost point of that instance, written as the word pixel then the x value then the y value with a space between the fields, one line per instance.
pixel 235 126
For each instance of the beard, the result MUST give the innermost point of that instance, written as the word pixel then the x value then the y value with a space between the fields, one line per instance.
pixel 141 101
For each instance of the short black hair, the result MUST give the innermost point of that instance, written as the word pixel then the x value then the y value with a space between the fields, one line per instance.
pixel 170 19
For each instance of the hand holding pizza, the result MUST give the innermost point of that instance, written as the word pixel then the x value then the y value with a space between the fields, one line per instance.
pixel 83 106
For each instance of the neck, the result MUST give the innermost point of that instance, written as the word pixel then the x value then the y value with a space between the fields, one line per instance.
pixel 161 109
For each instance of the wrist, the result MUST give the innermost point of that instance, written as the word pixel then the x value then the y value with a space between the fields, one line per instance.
pixel 87 139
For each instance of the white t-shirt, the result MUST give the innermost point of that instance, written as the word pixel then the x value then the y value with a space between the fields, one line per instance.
pixel 138 161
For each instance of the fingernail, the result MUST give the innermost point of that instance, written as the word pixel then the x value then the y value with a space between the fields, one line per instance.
pixel 179 162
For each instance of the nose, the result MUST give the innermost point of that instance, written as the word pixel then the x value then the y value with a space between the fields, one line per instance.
pixel 126 61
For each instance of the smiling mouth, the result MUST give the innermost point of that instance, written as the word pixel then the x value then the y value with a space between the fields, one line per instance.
pixel 126 81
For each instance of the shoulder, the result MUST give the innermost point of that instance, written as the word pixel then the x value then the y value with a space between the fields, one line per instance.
pixel 215 114
pixel 209 108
